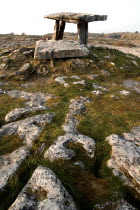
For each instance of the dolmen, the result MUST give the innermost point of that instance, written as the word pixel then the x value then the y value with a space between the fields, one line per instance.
pixel 58 48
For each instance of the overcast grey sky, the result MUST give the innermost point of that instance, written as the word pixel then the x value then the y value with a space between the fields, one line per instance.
pixel 27 15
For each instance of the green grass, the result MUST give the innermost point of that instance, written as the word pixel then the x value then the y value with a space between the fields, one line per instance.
pixel 7 104
pixel 10 143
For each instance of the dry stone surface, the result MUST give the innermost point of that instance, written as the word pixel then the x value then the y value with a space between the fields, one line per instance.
pixel 10 163
pixel 28 130
pixel 125 157
pixel 58 149
pixel 44 191
pixel 35 102
pixel 59 49
pixel 133 85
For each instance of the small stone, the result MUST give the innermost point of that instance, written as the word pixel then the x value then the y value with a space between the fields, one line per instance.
pixel 97 92
pixel 95 86
pixel 113 96
pixel 2 66
pixel 66 85
pixel 82 82
pixel 60 80
pixel 113 64
pixel 135 63
pixel 106 73
pixel 79 163
pixel 107 56
pixel 121 68
pixel 75 77
pixel 93 76
pixel 124 92
pixel 24 69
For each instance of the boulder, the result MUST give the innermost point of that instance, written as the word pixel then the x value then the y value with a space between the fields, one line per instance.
pixel 44 191
pixel 59 49
pixel 125 157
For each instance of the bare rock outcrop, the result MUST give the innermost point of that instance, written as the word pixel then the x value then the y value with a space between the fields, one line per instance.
pixel 28 130
pixel 125 157
pixel 44 191
pixel 35 102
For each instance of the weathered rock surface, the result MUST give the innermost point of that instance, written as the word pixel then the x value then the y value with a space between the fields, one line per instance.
pixel 99 87
pixel 58 149
pixel 59 49
pixel 60 80
pixel 124 92
pixel 18 112
pixel 125 157
pixel 118 205
pixel 27 129
pixel 76 17
pixel 97 92
pixel 10 163
pixel 24 69
pixel 133 85
pixel 44 191
pixel 82 82
pixel 35 102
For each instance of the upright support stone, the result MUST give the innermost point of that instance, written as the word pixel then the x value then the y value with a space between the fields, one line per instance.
pixel 82 29
pixel 56 30
pixel 61 30
pixel 86 33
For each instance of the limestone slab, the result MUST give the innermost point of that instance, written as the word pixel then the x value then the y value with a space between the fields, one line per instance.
pixel 125 157
pixel 59 49
pixel 44 191
pixel 76 17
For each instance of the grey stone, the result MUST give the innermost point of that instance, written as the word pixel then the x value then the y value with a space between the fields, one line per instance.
pixel 59 49
pixel 35 102
pixel 97 92
pixel 75 77
pixel 133 85
pixel 125 157
pixel 76 17
pixel 82 82
pixel 93 76
pixel 124 92
pixel 114 97
pixel 44 191
pixel 24 69
pixel 27 129
pixel 121 68
pixel 66 84
pixel 106 73
pixel 135 63
pixel 18 112
pixel 2 66
pixel 96 87
pixel 60 80
pixel 79 163
pixel 10 163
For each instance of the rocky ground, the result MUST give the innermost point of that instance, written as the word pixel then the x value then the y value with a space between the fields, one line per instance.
pixel 69 128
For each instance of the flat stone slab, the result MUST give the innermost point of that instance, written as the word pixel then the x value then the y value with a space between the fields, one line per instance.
pixel 59 49
pixel 76 17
